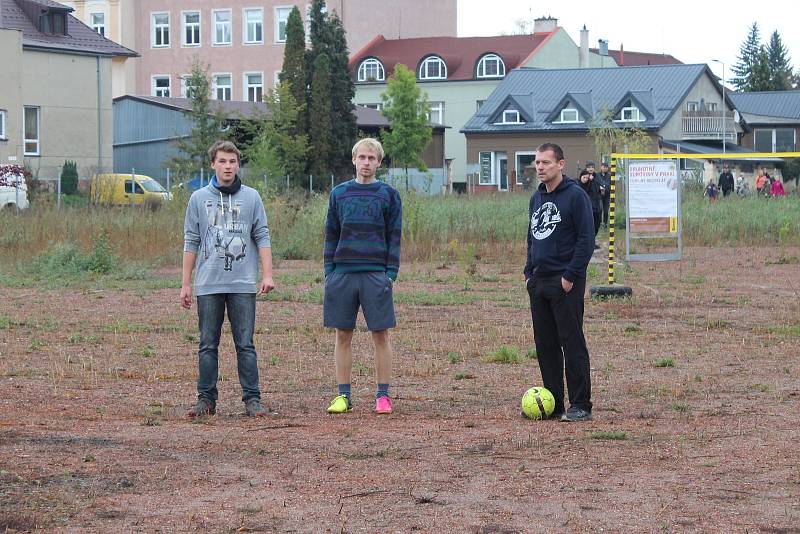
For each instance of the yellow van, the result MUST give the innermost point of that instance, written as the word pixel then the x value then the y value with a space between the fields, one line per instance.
pixel 125 190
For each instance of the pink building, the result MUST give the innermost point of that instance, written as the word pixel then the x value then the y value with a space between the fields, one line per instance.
pixel 242 41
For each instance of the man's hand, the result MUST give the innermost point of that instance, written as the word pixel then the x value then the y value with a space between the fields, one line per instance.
pixel 566 284
pixel 186 297
pixel 266 286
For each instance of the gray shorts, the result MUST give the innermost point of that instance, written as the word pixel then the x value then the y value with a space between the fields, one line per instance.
pixel 345 292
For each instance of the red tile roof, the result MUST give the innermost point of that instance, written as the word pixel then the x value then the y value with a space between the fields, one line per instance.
pixel 626 58
pixel 460 54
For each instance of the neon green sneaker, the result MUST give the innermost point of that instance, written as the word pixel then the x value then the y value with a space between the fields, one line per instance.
pixel 340 404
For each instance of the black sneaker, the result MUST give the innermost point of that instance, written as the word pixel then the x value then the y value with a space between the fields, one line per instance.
pixel 254 408
pixel 575 415
pixel 203 407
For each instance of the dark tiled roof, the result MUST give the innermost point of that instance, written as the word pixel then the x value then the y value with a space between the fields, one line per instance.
pixel 697 148
pixel 625 58
pixel 778 104
pixel 365 117
pixel 460 54
pixel 80 38
pixel 657 90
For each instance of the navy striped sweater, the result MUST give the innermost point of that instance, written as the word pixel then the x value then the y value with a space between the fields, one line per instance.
pixel 362 232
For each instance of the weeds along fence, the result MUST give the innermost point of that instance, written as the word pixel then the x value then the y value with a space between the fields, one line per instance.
pixel 434 228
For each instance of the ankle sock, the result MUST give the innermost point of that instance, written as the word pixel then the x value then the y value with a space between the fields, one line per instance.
pixel 383 391
pixel 344 389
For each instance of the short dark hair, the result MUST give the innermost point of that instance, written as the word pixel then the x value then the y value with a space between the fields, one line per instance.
pixel 559 153
pixel 223 146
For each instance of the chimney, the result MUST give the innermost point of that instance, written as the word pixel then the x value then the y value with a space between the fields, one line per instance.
pixel 602 46
pixel 545 24
pixel 584 51
pixel 621 56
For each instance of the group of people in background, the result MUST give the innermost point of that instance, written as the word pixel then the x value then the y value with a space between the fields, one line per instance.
pixel 766 185
pixel 598 186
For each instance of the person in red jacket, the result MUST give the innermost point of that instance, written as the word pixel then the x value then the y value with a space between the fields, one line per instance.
pixel 777 188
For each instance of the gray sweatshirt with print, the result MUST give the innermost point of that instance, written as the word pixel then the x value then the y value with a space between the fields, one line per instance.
pixel 225 231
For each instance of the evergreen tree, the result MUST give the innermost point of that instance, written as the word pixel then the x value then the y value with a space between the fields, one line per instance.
pixel 278 150
pixel 293 72
pixel 779 64
pixel 320 133
pixel 748 55
pixel 406 108
pixel 760 78
pixel 69 178
pixel 345 128
pixel 207 126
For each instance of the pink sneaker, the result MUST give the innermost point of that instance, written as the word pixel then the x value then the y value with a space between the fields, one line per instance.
pixel 383 405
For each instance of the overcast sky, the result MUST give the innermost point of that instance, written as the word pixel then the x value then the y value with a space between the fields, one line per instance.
pixel 693 31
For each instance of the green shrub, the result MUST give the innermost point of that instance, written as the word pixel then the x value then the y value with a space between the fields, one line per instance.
pixel 69 178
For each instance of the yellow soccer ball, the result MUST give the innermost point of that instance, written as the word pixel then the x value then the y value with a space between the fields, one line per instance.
pixel 538 403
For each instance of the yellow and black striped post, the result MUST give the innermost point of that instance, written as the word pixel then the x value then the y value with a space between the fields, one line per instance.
pixel 612 201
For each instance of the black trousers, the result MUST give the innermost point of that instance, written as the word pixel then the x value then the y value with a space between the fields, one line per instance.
pixel 606 203
pixel 558 332
pixel 597 219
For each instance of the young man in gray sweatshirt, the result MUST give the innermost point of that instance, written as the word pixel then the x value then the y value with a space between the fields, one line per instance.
pixel 226 235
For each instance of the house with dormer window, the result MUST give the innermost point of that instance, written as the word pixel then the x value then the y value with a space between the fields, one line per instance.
pixel 533 106
pixel 56 79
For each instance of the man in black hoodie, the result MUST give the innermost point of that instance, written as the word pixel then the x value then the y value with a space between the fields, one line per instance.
pixel 560 244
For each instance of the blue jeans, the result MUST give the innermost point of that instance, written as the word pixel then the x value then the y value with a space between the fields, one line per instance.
pixel 242 318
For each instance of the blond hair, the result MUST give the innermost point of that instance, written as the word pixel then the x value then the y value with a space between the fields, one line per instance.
pixel 370 143
pixel 223 146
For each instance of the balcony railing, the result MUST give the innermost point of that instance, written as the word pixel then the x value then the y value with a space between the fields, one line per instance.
pixel 709 125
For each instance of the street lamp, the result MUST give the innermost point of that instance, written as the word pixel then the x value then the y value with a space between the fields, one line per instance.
pixel 724 107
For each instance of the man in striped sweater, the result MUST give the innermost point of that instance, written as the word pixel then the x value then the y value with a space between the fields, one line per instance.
pixel 362 256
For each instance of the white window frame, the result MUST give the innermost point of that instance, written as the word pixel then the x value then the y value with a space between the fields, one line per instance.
pixel 423 68
pixel 3 121
pixel 37 139
pixel 562 119
pixel 692 105
pixel 774 136
pixel 154 86
pixel 632 109
pixel 246 86
pixel 438 108
pixel 245 25
pixel 501 66
pixel 504 118
pixel 185 85
pixel 184 27
pixel 155 29
pixel 517 170
pixel 370 63
pixel 276 78
pixel 99 28
pixel 711 106
pixel 493 164
pixel 372 105
pixel 276 10
pixel 216 86
pixel 218 25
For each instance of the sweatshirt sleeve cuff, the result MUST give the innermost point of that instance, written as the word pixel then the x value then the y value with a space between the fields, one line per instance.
pixel 569 277
pixel 392 275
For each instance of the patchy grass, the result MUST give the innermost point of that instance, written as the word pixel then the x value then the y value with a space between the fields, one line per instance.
pixel 609 435
pixel 505 354
pixel 665 362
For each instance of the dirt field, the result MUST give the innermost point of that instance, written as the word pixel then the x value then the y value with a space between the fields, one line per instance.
pixel 696 429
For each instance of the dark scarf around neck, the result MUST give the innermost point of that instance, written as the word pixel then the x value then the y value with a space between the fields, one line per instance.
pixel 229 189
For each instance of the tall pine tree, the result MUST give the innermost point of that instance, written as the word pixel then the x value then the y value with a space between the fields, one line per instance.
pixel 345 128
pixel 760 78
pixel 320 133
pixel 748 56
pixel 779 64
pixel 293 72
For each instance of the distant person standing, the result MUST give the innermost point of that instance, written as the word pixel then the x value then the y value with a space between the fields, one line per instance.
pixel 711 191
pixel 603 179
pixel 777 188
pixel 361 258
pixel 761 182
pixel 226 235
pixel 590 185
pixel 560 245
pixel 726 183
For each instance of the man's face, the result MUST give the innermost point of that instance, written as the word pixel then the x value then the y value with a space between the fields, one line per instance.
pixel 604 168
pixel 366 162
pixel 590 168
pixel 225 165
pixel 548 168
pixel 725 168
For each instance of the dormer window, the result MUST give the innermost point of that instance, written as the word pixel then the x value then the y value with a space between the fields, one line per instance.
pixel 510 116
pixel 371 70
pixel 569 115
pixel 491 66
pixel 433 68
pixel 630 114
pixel 53 22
